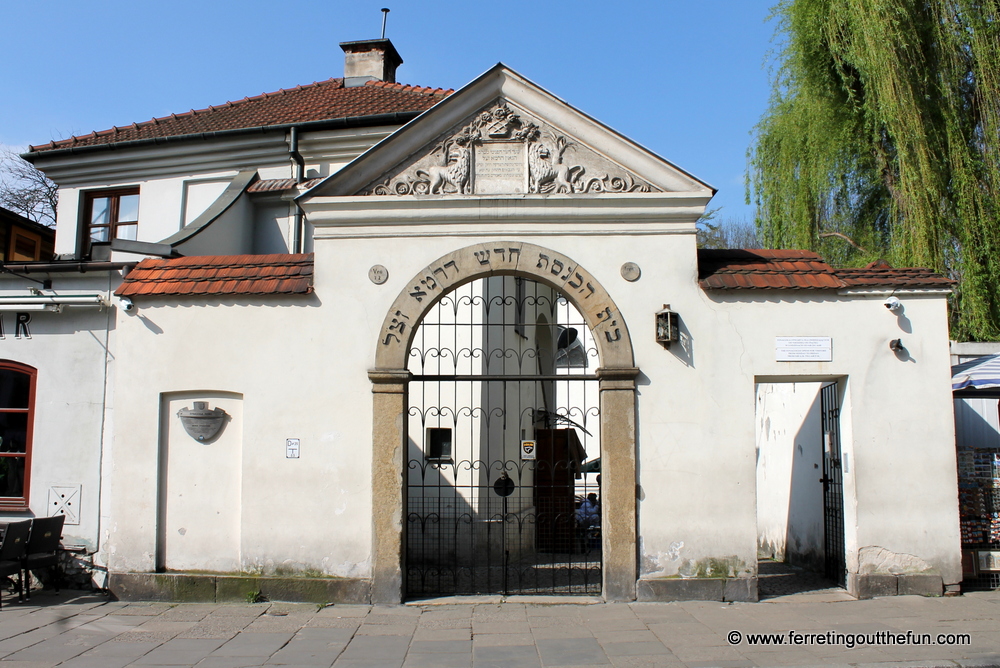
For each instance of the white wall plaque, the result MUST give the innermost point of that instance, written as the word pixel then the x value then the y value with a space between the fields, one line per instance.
pixel 528 450
pixel 291 448
pixel 501 167
pixel 803 349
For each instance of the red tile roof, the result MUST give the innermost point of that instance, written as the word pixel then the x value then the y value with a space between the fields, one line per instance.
pixel 877 273
pixel 738 269
pixel 220 275
pixel 779 269
pixel 318 101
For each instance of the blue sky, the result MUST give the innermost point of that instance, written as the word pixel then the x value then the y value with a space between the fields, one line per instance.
pixel 688 80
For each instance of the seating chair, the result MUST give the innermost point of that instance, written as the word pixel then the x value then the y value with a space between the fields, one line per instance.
pixel 46 532
pixel 12 551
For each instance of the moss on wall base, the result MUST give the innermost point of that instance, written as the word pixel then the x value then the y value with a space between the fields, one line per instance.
pixel 697 589
pixel 237 587
pixel 716 567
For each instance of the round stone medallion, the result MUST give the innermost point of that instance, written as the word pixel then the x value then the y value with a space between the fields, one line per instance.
pixel 378 274
pixel 631 272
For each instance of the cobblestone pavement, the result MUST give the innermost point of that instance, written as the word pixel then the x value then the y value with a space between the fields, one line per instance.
pixel 84 630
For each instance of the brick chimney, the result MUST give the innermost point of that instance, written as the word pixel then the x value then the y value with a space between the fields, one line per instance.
pixel 369 59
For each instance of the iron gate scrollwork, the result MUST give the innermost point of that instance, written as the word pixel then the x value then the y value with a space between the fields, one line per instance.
pixel 503 445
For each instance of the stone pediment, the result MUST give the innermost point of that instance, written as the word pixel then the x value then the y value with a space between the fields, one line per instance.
pixel 502 149
pixel 503 135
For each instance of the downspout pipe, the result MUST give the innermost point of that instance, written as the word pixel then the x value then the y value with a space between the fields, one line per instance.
pixel 298 230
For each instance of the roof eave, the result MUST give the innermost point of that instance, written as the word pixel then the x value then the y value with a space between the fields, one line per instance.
pixel 887 290
pixel 394 118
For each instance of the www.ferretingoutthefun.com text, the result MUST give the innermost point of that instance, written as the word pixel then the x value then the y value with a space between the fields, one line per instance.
pixel 849 640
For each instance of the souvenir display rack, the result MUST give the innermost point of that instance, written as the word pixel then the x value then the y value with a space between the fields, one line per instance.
pixel 979 508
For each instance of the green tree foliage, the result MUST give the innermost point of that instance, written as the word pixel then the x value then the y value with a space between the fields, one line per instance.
pixel 883 140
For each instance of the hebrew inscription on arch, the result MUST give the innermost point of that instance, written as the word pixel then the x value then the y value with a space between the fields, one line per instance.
pixel 500 258
pixel 501 151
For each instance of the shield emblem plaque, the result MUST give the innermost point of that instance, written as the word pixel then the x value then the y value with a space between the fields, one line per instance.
pixel 201 422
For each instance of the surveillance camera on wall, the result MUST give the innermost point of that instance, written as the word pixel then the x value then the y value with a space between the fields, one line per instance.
pixel 893 304
pixel 126 304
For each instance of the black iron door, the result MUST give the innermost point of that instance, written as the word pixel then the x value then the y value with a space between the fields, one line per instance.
pixel 503 446
pixel 835 562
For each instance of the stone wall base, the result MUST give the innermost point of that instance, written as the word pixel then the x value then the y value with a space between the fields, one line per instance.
pixel 871 585
pixel 697 589
pixel 214 588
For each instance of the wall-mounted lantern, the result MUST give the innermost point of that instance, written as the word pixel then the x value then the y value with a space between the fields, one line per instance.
pixel 667 327
pixel 202 423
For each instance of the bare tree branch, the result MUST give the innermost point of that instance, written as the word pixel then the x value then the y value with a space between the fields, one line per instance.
pixel 26 190
pixel 824 235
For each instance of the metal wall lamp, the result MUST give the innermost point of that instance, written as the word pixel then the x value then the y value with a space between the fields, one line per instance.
pixel 667 327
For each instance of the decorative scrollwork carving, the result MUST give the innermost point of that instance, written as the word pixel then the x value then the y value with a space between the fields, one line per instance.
pixel 449 168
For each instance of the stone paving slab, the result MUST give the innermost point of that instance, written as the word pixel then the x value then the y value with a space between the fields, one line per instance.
pixel 74 630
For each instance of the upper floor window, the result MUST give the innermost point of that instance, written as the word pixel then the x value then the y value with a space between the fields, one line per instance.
pixel 112 214
pixel 17 401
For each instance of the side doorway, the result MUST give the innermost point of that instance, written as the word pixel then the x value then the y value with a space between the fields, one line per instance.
pixel 800 490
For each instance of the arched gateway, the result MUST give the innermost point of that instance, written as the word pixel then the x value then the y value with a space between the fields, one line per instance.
pixel 615 376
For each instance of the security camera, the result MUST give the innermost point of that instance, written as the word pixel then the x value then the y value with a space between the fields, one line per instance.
pixel 126 304
pixel 893 304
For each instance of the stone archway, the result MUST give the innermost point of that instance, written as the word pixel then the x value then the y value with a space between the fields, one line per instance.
pixel 617 389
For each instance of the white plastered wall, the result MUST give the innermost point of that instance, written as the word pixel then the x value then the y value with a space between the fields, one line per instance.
pixel 291 361
pixel 897 433
pixel 301 365
pixel 69 351
pixel 789 467
pixel 200 487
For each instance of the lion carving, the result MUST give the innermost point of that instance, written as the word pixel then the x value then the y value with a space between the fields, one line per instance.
pixel 453 175
pixel 547 172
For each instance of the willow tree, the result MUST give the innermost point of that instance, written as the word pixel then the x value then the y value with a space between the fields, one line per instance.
pixel 882 139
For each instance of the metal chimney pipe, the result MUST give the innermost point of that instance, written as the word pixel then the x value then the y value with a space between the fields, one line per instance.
pixel 385 13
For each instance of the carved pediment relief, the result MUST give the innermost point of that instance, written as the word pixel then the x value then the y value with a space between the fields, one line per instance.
pixel 503 150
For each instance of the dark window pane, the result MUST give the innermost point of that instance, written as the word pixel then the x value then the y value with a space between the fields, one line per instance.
pixel 14 388
pixel 13 432
pixel 128 209
pixel 26 247
pixel 11 476
pixel 439 443
pixel 100 211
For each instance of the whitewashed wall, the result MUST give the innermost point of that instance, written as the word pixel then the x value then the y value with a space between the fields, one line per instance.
pixel 789 467
pixel 302 370
pixel 200 491
pixel 70 352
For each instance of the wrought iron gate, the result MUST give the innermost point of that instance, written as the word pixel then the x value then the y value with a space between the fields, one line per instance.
pixel 503 445
pixel 835 560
